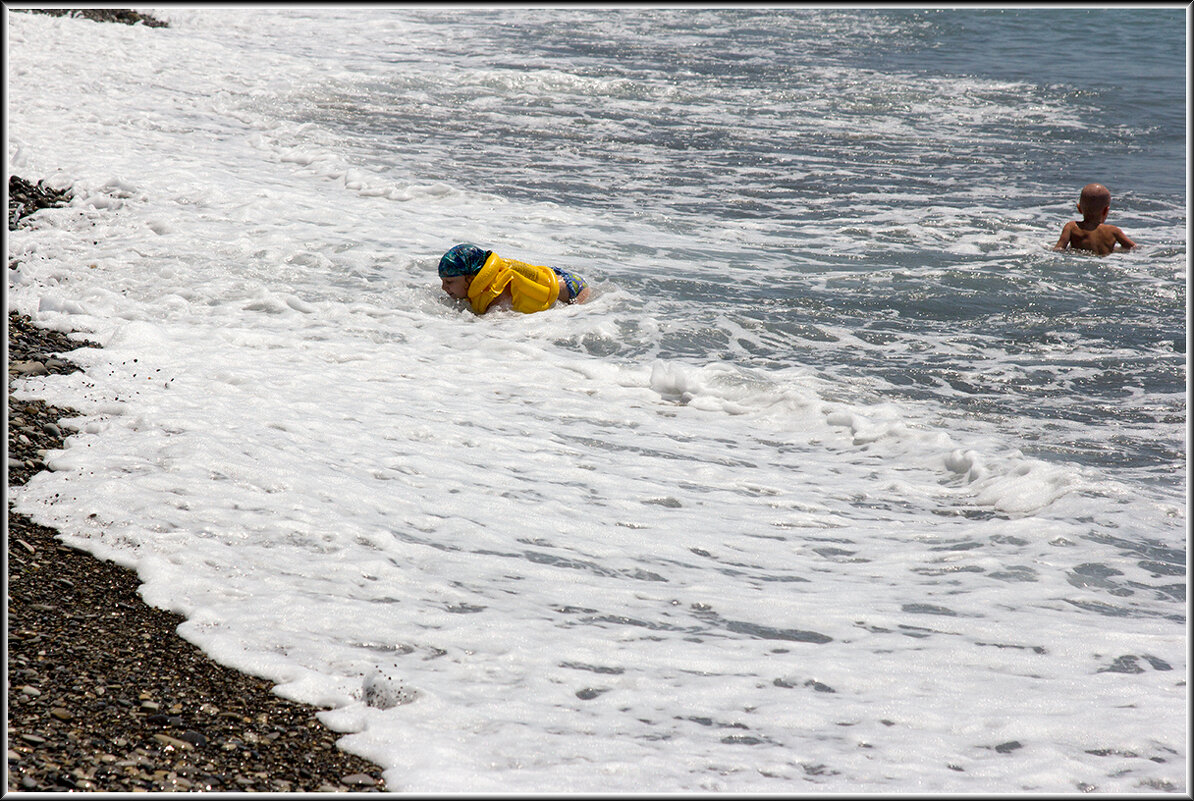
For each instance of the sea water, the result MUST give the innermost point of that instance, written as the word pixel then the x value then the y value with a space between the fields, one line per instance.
pixel 842 481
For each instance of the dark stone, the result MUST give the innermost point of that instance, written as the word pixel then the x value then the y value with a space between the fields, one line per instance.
pixel 25 198
pixel 193 737
pixel 164 720
pixel 122 15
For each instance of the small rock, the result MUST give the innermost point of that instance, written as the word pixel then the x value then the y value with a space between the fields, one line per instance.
pixel 193 737
pixel 31 691
pixel 28 368
pixel 164 720
pixel 358 780
pixel 61 714
pixel 172 742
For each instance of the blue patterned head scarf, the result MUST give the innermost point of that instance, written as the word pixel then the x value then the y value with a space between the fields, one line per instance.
pixel 462 260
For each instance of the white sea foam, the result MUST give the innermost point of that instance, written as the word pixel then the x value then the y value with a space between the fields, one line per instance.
pixel 664 541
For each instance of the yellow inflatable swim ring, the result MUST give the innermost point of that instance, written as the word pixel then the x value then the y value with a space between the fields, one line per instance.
pixel 532 288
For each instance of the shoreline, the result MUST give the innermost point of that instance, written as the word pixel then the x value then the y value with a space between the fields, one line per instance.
pixel 103 693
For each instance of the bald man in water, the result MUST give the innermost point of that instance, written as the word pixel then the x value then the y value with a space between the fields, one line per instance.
pixel 1092 233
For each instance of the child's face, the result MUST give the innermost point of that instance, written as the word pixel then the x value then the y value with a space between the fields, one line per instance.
pixel 457 286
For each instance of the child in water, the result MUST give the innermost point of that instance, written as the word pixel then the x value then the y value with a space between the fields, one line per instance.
pixel 485 280
pixel 1092 233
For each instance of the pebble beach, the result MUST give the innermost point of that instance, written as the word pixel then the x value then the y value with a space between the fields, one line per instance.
pixel 103 695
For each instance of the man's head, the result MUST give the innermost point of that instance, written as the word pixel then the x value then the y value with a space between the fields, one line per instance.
pixel 1094 202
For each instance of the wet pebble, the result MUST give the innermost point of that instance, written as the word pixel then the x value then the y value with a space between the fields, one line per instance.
pixel 28 368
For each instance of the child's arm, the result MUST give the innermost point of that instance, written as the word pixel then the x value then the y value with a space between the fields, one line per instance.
pixel 1064 241
pixel 1122 239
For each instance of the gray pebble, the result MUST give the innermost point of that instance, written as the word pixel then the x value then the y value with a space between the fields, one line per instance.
pixel 28 368
pixel 172 742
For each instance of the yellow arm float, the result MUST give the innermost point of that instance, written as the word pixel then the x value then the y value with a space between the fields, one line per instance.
pixel 532 288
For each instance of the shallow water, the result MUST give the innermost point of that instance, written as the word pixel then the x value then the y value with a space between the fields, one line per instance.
pixel 842 482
